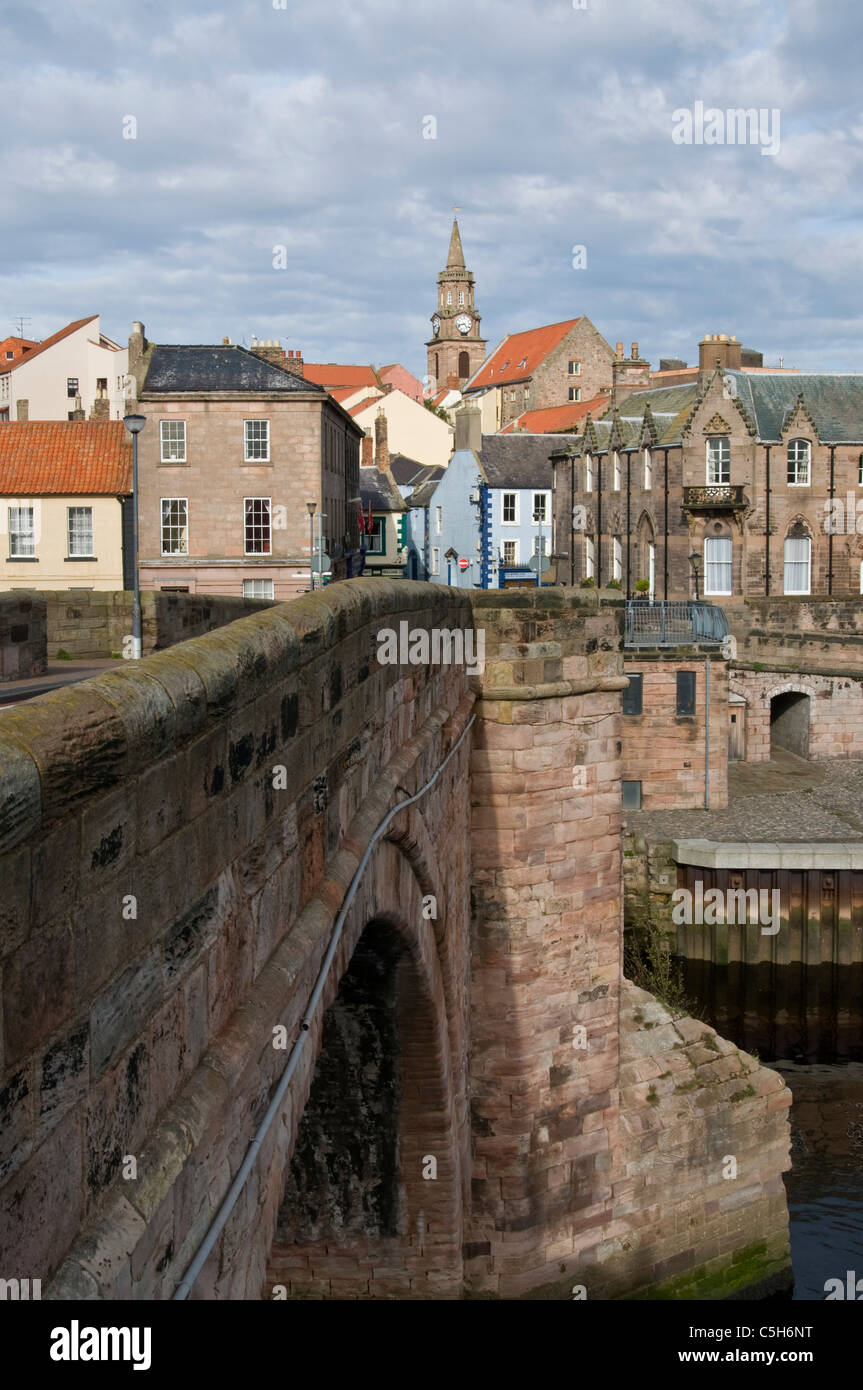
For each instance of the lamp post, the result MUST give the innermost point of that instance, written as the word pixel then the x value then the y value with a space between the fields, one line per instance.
pixel 695 562
pixel 310 508
pixel 134 424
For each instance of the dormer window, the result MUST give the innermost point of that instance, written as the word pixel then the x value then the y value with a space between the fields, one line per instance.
pixel 718 460
pixel 799 458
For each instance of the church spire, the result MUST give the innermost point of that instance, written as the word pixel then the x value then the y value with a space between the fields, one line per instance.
pixel 455 259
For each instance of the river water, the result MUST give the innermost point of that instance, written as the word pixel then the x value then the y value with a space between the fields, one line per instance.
pixel 808 1027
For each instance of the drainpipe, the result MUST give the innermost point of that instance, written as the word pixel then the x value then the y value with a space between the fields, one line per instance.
pixel 830 532
pixel 766 520
pixel 628 499
pixel 665 540
pixel 599 521
pixel 707 733
pixel 571 525
pixel 217 1225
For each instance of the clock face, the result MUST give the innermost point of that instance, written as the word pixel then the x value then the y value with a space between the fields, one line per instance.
pixel 436 325
pixel 463 323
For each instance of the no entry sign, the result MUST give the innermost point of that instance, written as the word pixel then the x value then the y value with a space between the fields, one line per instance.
pixel 463 562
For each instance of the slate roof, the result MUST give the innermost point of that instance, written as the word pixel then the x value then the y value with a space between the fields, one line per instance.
pixel 424 492
pixel 178 368
pixel 86 458
pixel 834 401
pixel 519 355
pixel 406 470
pixel 520 460
pixel 380 490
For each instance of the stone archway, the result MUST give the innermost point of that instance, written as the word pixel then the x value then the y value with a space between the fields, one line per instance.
pixel 789 722
pixel 372 1197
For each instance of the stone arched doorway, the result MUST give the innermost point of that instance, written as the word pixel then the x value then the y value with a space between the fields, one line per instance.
pixel 789 723
pixel 646 553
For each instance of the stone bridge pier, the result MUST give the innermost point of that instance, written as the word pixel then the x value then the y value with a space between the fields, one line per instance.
pixel 313 911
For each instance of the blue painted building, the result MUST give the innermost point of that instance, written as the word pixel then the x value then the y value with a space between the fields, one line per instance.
pixel 491 507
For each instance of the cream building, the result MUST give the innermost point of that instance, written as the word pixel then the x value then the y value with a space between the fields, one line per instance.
pixel 412 429
pixel 64 497
pixel 76 369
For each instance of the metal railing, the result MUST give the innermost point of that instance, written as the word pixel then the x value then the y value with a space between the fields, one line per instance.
pixel 714 497
pixel 672 623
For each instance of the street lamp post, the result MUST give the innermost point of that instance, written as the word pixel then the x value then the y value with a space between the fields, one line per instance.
pixel 695 562
pixel 134 424
pixel 310 508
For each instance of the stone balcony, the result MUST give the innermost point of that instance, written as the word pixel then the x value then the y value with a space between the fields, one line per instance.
pixel 714 497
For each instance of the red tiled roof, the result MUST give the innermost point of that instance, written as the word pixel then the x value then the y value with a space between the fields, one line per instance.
pixel 332 374
pixel 364 404
pixel 557 417
pixel 520 354
pixel 343 393
pixel 65 457
pixel 403 380
pixel 19 347
pixel 49 342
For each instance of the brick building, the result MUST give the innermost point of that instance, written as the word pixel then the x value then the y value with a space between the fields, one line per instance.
pixel 549 366
pixel 756 473
pixel 238 443
pixel 455 349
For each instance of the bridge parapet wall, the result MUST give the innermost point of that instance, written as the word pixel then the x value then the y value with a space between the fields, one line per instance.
pixel 152 866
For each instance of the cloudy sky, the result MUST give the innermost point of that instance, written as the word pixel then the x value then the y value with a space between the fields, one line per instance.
pixel 303 126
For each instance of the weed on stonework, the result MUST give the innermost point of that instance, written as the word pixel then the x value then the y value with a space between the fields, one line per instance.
pixel 648 962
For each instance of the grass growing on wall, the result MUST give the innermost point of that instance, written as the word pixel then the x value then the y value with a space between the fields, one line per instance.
pixel 647 958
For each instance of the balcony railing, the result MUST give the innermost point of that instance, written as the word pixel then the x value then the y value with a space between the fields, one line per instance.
pixel 714 497
pixel 672 623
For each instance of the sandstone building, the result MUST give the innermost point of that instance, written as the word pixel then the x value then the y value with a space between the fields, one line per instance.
pixel 237 445
pixel 455 349
pixel 755 473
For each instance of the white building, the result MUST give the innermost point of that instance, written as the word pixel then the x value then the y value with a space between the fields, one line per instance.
pixel 77 364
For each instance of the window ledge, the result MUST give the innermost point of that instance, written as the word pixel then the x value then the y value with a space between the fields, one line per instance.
pixel 75 559
pixel 22 559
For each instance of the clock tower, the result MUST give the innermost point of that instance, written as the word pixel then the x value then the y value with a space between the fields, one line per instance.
pixel 455 349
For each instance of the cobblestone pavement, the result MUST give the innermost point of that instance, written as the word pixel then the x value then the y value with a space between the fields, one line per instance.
pixel 789 802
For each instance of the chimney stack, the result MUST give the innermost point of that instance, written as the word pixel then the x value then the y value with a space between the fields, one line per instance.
pixel 294 362
pixel 382 452
pixel 22 410
pixel 138 363
pixel 618 349
pixel 270 349
pixel 468 428
pixel 226 342
pixel 78 412
pixel 715 352
pixel 366 460
pixel 628 375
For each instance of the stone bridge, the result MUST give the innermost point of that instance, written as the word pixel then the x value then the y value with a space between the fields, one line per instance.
pixel 311 978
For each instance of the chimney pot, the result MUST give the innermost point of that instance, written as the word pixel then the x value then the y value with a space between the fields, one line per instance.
pixel 635 352
pixel 619 349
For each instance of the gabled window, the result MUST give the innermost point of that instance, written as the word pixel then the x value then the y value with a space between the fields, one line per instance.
pixel 257 441
pixel 175 526
pixel 799 458
pixel 718 460
pixel 256 535
pixel 172 436
pixel 79 531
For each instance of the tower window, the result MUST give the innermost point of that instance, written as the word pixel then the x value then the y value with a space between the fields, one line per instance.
pixel 449 296
pixel 464 364
pixel 461 296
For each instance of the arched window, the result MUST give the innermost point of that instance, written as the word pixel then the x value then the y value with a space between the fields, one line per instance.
pixel 616 483
pixel 437 367
pixel 464 364
pixel 799 456
pixel 798 562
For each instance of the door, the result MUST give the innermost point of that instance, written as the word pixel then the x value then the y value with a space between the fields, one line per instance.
pixel 737 733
